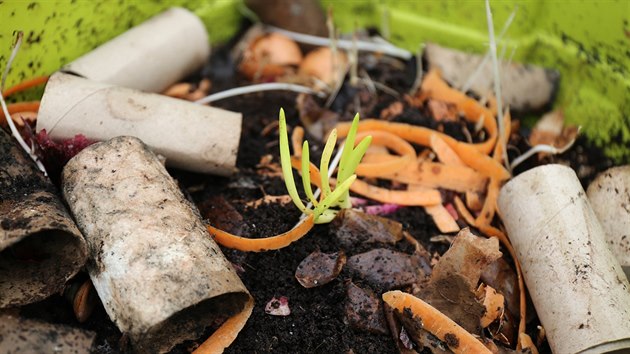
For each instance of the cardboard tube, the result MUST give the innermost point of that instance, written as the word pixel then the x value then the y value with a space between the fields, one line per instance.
pixel 578 288
pixel 149 57
pixel 21 335
pixel 191 136
pixel 609 194
pixel 160 276
pixel 40 246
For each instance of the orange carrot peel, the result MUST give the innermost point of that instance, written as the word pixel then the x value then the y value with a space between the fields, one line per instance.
pixel 393 142
pixel 458 339
pixel 227 333
pixel 229 240
pixel 24 85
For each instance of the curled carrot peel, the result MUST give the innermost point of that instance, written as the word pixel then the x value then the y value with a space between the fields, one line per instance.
pixel 435 175
pixel 227 333
pixel 229 240
pixel 417 197
pixel 433 86
pixel 24 85
pixel 463 211
pixel 444 152
pixel 470 154
pixel 458 339
pixel 393 142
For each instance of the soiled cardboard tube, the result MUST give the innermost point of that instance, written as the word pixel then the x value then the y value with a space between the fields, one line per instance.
pixel 40 246
pixel 160 276
pixel 578 288
pixel 191 136
pixel 149 57
pixel 20 335
pixel 609 194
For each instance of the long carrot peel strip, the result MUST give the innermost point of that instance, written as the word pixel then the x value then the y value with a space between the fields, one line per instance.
pixel 434 87
pixel 229 240
pixel 490 204
pixel 442 218
pixel 24 85
pixel 13 108
pixel 227 333
pixel 458 339
pixel 500 148
pixel 312 169
pixel 463 211
pixel 444 152
pixel 418 197
pixel 470 154
pixel 393 142
pixel 437 175
pixel 296 141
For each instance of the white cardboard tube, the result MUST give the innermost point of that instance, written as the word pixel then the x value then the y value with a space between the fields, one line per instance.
pixel 160 276
pixel 149 57
pixel 581 295
pixel 609 194
pixel 191 136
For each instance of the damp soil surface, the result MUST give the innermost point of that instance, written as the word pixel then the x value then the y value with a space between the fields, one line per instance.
pixel 317 323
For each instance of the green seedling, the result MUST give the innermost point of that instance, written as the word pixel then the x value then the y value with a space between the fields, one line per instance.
pixel 325 210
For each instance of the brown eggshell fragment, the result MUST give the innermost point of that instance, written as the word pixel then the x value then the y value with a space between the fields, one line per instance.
pixel 364 311
pixel 320 268
pixel 353 227
pixel 269 56
pixel 319 63
pixel 385 269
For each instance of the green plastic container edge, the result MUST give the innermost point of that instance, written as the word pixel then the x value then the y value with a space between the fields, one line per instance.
pixel 587 41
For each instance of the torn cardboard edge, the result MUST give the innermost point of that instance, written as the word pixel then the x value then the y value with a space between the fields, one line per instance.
pixel 192 137
pixel 151 56
pixel 162 279
pixel 40 245
pixel 580 293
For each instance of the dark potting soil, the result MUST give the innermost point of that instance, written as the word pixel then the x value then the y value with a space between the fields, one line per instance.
pixel 317 323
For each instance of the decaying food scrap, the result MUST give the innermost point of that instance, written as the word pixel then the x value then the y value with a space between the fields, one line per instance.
pixel 353 227
pixel 160 277
pixel 577 286
pixel 320 268
pixel 387 269
pixel 40 246
pixel 19 335
pixel 364 310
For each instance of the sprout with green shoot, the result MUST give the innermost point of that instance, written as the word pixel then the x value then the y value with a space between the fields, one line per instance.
pixel 331 198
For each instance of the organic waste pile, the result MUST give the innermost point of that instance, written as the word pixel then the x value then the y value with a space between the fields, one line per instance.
pixel 362 213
